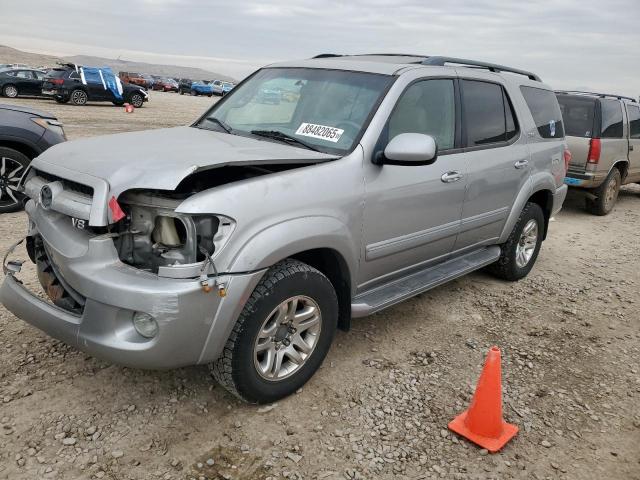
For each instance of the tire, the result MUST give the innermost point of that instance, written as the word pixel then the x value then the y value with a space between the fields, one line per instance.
pixel 606 194
pixel 10 91
pixel 181 92
pixel 242 371
pixel 12 166
pixel 194 93
pixel 136 100
pixel 79 97
pixel 514 264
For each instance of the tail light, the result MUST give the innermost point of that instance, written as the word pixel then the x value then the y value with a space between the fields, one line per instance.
pixel 595 148
pixel 567 159
pixel 55 81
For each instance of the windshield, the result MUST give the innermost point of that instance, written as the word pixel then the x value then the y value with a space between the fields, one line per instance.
pixel 327 110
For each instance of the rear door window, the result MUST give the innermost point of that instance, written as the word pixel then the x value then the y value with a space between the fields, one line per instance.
pixel 611 119
pixel 488 114
pixel 634 120
pixel 578 114
pixel 545 111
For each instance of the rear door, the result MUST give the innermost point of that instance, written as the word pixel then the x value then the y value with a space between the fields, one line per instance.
pixel 497 161
pixel 613 136
pixel 579 114
pixel 633 112
pixel 27 83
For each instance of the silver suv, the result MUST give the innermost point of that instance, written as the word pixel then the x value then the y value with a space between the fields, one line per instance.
pixel 603 133
pixel 246 239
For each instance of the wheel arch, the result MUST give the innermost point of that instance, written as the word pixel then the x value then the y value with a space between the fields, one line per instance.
pixel 23 147
pixel 544 199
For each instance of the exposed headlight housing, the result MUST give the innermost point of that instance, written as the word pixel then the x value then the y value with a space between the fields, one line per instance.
pixel 145 324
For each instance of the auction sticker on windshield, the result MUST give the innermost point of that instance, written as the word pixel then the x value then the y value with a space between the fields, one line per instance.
pixel 320 132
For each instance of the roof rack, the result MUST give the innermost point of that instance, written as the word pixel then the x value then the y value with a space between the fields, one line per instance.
pixel 601 95
pixel 442 61
pixel 492 67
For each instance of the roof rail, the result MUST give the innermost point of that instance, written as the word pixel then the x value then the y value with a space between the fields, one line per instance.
pixel 601 95
pixel 493 67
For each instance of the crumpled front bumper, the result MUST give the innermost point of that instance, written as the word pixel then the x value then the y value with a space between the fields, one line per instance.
pixel 193 325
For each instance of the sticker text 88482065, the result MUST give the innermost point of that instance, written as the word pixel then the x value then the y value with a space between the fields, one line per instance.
pixel 321 132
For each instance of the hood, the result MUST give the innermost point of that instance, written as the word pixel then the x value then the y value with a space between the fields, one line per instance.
pixel 30 111
pixel 161 159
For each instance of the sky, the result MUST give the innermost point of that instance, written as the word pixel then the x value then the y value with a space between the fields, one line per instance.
pixel 571 44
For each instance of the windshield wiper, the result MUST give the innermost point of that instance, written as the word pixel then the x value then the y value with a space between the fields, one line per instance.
pixel 221 123
pixel 283 137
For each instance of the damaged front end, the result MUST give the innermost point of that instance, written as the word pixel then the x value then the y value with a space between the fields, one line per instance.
pixel 155 238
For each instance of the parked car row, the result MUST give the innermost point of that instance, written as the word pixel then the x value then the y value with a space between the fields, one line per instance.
pixel 204 87
pixel 71 83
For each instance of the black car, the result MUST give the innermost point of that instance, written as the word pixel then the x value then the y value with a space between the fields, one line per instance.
pixel 70 85
pixel 184 85
pixel 21 81
pixel 24 134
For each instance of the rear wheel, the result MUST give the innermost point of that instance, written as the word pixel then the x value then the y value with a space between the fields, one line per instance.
pixel 520 251
pixel 282 335
pixel 606 194
pixel 12 166
pixel 79 97
pixel 10 91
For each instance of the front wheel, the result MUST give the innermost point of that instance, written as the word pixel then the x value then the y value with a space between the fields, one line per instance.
pixel 282 335
pixel 12 166
pixel 520 251
pixel 136 100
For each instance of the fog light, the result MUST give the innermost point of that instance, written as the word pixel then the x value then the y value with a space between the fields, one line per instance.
pixel 145 324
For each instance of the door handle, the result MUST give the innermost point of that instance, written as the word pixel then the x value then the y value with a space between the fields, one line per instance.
pixel 521 164
pixel 450 177
pixel 631 148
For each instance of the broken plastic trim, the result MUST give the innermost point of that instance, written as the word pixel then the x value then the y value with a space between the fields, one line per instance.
pixel 13 266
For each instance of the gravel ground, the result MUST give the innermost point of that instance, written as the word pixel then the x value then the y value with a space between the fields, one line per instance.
pixel 379 406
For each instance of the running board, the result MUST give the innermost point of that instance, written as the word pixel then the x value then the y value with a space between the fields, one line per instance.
pixel 406 287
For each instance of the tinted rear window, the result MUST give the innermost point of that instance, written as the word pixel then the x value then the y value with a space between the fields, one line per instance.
pixel 578 115
pixel 611 119
pixel 545 111
pixel 56 73
pixel 634 120
pixel 487 120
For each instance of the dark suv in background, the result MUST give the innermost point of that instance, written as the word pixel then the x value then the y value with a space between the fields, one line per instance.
pixel 24 134
pixel 603 133
pixel 66 85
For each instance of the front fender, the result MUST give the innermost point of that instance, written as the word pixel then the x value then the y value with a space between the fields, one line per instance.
pixel 294 236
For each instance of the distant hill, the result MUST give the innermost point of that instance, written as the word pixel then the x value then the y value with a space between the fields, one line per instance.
pixel 12 55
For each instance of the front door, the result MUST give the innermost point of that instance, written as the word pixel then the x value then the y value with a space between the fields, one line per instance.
pixel 633 112
pixel 412 213
pixel 26 83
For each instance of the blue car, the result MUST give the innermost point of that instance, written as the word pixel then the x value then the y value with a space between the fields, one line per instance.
pixel 227 87
pixel 202 88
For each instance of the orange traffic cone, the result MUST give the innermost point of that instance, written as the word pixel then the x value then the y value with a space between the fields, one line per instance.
pixel 482 423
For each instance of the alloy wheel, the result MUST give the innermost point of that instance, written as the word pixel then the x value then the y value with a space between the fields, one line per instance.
pixel 10 173
pixel 527 244
pixel 78 97
pixel 287 338
pixel 10 91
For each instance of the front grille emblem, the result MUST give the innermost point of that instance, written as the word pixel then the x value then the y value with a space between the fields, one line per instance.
pixel 46 197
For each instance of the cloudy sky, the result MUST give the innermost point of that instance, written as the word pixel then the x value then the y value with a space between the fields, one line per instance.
pixel 584 44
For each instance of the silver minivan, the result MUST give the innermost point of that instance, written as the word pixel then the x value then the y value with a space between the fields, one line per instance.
pixel 244 240
pixel 603 133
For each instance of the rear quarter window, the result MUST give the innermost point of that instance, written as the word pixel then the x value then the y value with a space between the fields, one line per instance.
pixel 545 111
pixel 611 119
pixel 634 121
pixel 578 114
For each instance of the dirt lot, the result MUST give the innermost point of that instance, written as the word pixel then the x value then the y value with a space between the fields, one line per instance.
pixel 378 408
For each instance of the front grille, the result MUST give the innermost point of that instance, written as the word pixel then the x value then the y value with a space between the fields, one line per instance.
pixel 69 185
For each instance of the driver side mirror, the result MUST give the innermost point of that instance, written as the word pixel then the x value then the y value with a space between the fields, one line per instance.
pixel 410 149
